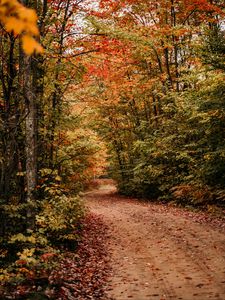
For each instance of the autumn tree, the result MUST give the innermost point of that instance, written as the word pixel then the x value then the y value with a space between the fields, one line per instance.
pixel 147 63
pixel 40 143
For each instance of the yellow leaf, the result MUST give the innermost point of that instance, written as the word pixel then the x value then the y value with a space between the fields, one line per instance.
pixel 27 14
pixel 30 45
pixel 32 28
pixel 58 178
pixel 3 10
pixel 15 25
pixel 15 14
pixel 21 20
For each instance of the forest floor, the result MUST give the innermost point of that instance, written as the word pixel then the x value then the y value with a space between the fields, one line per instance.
pixel 160 252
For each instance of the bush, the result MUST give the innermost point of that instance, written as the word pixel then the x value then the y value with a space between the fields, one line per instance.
pixel 194 195
pixel 60 219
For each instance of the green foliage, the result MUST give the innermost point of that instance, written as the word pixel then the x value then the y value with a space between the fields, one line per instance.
pixel 173 145
pixel 186 151
pixel 59 219
pixel 213 49
pixel 78 158
pixel 30 255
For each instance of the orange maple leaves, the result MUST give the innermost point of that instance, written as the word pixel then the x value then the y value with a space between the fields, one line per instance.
pixel 21 21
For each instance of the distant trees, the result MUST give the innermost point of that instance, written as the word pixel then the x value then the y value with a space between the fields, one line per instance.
pixel 161 96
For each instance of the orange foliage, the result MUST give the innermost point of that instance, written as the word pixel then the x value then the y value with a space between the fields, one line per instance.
pixel 21 21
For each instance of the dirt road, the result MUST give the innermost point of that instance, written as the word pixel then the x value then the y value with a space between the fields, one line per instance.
pixel 160 252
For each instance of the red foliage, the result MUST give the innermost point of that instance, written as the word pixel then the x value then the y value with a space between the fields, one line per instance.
pixel 47 256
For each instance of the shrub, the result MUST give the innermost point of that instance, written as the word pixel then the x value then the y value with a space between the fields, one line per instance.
pixel 195 195
pixel 59 219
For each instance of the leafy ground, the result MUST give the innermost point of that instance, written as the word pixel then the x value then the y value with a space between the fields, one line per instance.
pixel 159 251
pixel 80 275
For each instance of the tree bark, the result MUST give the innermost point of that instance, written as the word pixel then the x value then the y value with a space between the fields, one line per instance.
pixel 30 139
pixel 30 135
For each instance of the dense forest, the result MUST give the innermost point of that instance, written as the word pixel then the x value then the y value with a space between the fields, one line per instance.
pixel 130 89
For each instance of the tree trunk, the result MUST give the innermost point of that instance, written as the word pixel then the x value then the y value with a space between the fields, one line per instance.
pixel 30 133
pixel 31 169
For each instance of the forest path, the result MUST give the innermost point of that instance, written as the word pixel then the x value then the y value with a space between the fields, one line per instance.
pixel 160 252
